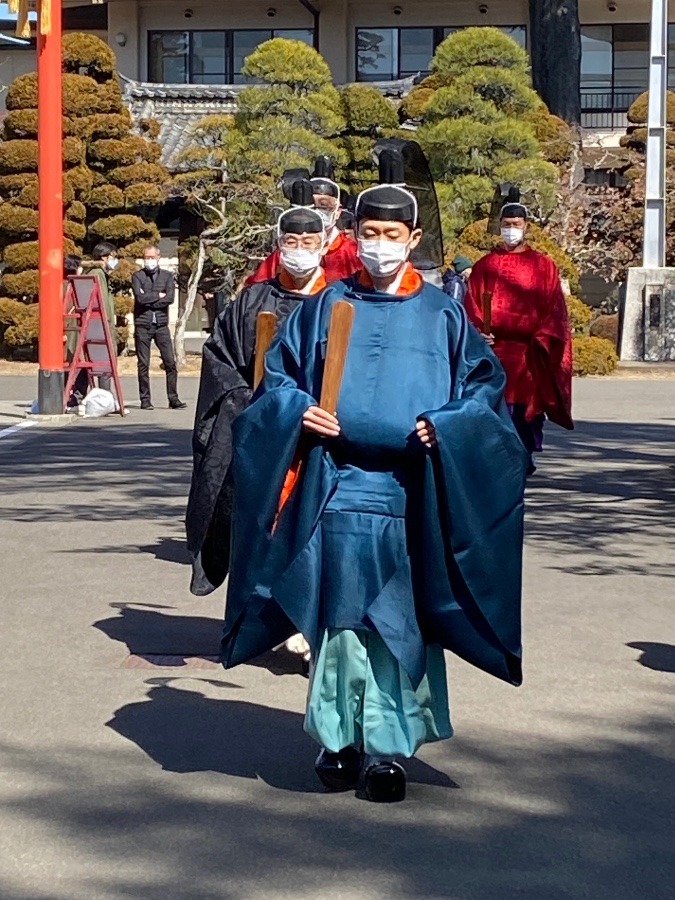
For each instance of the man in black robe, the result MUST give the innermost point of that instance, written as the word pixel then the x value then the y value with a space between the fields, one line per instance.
pixel 226 383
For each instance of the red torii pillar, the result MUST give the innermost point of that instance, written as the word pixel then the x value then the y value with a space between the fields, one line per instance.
pixel 50 208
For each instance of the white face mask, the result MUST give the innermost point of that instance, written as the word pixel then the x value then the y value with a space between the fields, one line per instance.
pixel 111 263
pixel 298 261
pixel 512 236
pixel 329 217
pixel 382 258
pixel 150 264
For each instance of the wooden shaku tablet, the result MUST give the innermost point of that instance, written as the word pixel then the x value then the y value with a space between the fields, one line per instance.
pixel 339 331
pixel 265 329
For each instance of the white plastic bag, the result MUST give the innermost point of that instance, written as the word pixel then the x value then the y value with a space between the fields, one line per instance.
pixel 99 403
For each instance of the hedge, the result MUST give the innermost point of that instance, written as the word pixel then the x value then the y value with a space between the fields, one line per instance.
pixel 593 356
pixel 22 284
pixel 86 51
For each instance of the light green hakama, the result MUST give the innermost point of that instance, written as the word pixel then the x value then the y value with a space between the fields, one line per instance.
pixel 359 696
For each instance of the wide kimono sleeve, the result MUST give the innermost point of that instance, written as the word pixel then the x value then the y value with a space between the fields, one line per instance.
pixel 550 353
pixel 478 283
pixel 224 392
pixel 266 544
pixel 473 521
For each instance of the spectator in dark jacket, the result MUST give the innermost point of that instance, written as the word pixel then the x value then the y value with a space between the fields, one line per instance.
pixel 154 290
pixel 456 277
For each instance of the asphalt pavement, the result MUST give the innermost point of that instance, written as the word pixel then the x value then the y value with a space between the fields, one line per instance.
pixel 133 766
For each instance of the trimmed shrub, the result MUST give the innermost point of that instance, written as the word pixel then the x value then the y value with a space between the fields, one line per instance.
pixel 77 211
pixel 580 314
pixel 606 327
pixel 638 111
pixel 18 257
pixel 593 356
pixel 124 152
pixel 287 62
pixel 76 231
pixel 20 323
pixel 17 220
pixel 89 55
pixel 18 156
pixel 148 173
pixel 105 196
pixel 485 47
pixel 23 284
pixel 143 195
pixel 103 126
pixel 79 180
pixel 122 228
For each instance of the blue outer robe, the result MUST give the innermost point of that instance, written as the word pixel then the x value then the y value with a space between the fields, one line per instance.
pixel 410 357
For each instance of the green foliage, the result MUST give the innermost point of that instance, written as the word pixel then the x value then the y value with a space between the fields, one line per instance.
pixel 319 111
pixel 18 323
pixel 143 172
pixel 508 90
pixel 637 113
pixel 580 314
pixel 481 123
pixel 593 355
pixel 17 220
pixel 18 156
pixel 121 229
pixel 100 126
pixel 88 55
pixel 366 111
pixel 538 181
pixel 110 170
pixel 122 152
pixel 471 47
pixel 290 63
pixel 21 285
pixel 465 199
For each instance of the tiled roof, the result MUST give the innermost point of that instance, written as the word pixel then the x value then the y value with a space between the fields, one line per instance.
pixel 178 107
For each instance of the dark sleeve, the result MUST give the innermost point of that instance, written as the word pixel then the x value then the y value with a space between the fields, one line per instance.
pixel 473 522
pixel 224 392
pixel 168 287
pixel 142 296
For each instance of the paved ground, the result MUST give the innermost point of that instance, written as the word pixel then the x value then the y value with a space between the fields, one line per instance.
pixel 158 782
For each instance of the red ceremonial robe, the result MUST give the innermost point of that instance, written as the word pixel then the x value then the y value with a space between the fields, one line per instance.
pixel 340 261
pixel 533 339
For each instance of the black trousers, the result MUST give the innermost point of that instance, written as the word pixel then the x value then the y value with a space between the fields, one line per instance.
pixel 160 334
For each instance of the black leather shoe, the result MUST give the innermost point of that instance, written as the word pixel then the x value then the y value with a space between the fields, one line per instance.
pixel 339 771
pixel 147 405
pixel 177 404
pixel 385 782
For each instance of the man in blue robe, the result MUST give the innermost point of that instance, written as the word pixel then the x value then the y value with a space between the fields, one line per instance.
pixel 400 529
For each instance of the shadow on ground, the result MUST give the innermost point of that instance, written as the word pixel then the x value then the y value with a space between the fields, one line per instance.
pixel 144 470
pixel 660 657
pixel 184 731
pixel 554 821
pixel 603 495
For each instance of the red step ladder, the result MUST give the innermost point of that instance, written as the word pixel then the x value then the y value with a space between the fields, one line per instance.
pixel 95 351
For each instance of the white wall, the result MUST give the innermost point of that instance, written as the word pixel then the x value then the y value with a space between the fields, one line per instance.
pixel 13 62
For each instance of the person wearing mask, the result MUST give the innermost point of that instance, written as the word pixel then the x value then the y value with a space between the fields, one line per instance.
pixel 530 329
pixel 226 382
pixel 456 277
pixel 340 257
pixel 154 290
pixel 389 528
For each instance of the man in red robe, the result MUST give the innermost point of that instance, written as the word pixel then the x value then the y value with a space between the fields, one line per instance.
pixel 529 327
pixel 340 259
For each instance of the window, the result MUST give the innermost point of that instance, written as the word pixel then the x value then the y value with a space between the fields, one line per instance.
pixel 385 54
pixel 376 54
pixel 614 68
pixel 209 57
